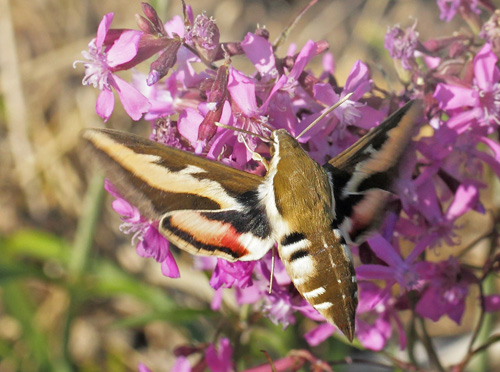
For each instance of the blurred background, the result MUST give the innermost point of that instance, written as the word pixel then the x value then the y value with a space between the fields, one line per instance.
pixel 68 302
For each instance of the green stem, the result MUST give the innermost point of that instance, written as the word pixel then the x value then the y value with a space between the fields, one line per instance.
pixel 79 256
pixel 412 336
pixel 487 323
pixel 86 228
pixel 429 347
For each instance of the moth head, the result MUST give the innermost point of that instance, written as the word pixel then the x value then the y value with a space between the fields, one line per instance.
pixel 282 140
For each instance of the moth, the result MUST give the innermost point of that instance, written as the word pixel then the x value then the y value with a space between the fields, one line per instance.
pixel 310 211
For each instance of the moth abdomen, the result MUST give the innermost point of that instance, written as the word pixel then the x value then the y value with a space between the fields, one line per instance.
pixel 322 271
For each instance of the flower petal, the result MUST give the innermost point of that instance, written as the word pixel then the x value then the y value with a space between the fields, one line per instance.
pixel 319 334
pixel 485 71
pixel 374 272
pixel 303 58
pixel 260 52
pixel 105 104
pixel 492 303
pixel 124 49
pixel 134 103
pixel 103 29
pixel 385 251
pixel 466 197
pixel 242 90
pixel 453 97
pixel 169 267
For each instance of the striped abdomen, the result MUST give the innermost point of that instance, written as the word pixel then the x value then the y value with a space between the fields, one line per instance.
pixel 321 269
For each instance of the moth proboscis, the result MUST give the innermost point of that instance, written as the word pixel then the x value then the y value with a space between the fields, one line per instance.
pixel 310 211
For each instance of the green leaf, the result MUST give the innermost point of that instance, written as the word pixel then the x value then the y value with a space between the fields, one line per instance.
pixel 12 271
pixel 36 244
pixel 19 305
pixel 112 280
pixel 174 316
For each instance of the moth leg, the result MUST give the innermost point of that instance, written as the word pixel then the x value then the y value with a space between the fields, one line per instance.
pixel 272 270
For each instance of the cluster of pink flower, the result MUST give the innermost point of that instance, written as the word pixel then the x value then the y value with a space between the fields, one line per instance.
pixel 440 180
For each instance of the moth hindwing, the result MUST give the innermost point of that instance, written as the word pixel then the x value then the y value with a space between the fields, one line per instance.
pixel 207 208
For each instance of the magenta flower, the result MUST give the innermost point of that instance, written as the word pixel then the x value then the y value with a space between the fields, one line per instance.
pixel 446 290
pixel 319 334
pixel 401 45
pixel 449 8
pixel 397 269
pixel 103 61
pixel 490 31
pixel 204 34
pixel 220 359
pixel 150 243
pixel 477 103
pixel 228 274
pixel 492 303
pixel 142 368
pixel 374 323
pixel 181 365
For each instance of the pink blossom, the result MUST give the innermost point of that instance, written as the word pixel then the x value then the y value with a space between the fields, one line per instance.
pixel 401 45
pixel 228 274
pixel 220 359
pixel 260 52
pixel 374 322
pixel 319 334
pixel 480 98
pixel 396 269
pixel 142 368
pixel 446 290
pixel 103 61
pixel 492 303
pixel 150 243
pixel 449 8
pixel 181 365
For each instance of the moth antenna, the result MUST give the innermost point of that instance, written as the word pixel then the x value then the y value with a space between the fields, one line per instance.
pixel 327 111
pixel 265 139
pixel 272 272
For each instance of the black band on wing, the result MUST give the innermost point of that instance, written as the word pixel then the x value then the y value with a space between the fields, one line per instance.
pixel 343 205
pixel 252 218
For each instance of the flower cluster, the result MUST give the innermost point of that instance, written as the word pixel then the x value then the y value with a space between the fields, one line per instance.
pixel 458 80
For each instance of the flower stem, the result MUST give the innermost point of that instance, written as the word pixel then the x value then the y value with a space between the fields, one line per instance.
pixel 429 347
pixel 86 227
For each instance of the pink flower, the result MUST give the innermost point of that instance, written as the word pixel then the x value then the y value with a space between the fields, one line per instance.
pixel 477 103
pixel 150 242
pixel 401 45
pixel 103 61
pixel 449 8
pixel 446 290
pixel 376 314
pixel 220 359
pixel 142 368
pixel 492 303
pixel 396 269
pixel 181 365
pixel 227 274
pixel 319 334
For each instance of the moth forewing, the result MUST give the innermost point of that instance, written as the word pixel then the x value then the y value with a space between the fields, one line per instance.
pixel 163 182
